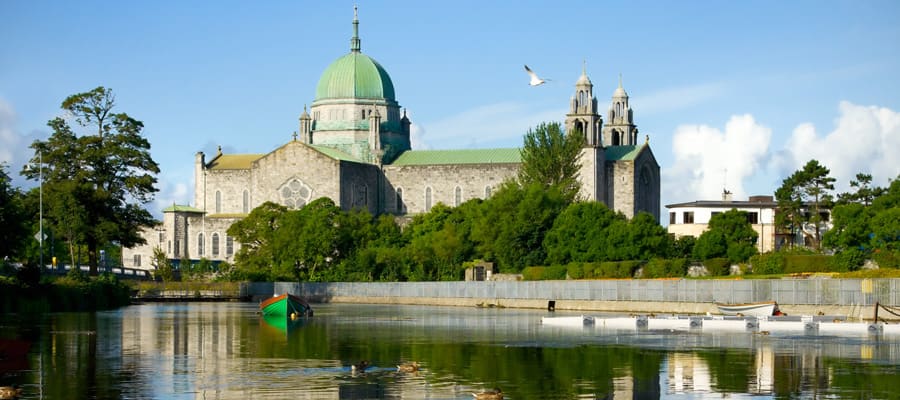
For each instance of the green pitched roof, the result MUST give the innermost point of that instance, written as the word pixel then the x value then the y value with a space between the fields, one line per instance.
pixel 180 208
pixel 470 156
pixel 623 152
pixel 335 153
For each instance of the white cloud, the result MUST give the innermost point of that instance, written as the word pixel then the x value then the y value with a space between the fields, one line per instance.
pixel 864 139
pixel 417 137
pixel 708 160
pixel 492 125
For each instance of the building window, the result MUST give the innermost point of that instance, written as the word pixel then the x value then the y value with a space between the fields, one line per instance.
pixel 229 246
pixel 177 248
pixel 218 202
pixel 162 238
pixel 672 218
pixel 137 260
pixel 714 213
pixel 399 200
pixel 427 199
pixel 688 217
pixel 487 191
pixel 246 207
pixel 215 244
pixel 753 217
pixel 457 196
pixel 295 193
pixel 200 245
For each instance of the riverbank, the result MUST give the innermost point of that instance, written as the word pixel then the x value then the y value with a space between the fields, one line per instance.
pixel 853 298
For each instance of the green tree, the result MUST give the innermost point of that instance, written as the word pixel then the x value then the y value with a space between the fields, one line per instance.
pixel 729 235
pixel 513 222
pixel 12 217
pixel 162 268
pixel 811 185
pixel 256 234
pixel 865 193
pixel 104 178
pixel 550 158
pixel 583 233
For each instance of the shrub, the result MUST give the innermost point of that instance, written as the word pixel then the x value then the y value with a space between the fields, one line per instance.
pixel 886 258
pixel 797 263
pixel 718 266
pixel 767 263
pixel 847 260
pixel 664 268
pixel 555 272
pixel 575 270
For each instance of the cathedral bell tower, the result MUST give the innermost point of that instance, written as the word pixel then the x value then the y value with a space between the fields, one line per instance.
pixel 620 129
pixel 583 114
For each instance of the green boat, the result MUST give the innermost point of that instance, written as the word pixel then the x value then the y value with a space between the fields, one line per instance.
pixel 286 305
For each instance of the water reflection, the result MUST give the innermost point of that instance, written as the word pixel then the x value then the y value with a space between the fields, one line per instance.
pixel 228 351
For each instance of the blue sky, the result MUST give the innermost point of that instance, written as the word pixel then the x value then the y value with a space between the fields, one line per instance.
pixel 731 94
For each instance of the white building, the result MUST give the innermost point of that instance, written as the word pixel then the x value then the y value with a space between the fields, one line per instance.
pixel 692 219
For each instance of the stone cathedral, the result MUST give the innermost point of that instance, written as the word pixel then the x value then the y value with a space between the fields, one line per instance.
pixel 353 146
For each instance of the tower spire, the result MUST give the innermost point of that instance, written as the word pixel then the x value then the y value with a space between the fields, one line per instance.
pixel 354 41
pixel 620 79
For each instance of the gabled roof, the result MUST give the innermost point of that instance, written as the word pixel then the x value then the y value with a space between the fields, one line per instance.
pixel 469 156
pixel 618 153
pixel 233 161
pixel 181 208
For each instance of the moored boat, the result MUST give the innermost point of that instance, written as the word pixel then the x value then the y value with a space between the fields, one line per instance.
pixel 760 309
pixel 286 305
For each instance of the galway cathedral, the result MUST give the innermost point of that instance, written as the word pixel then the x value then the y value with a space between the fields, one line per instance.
pixel 353 146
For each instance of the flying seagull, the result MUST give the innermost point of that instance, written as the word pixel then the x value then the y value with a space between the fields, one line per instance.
pixel 535 80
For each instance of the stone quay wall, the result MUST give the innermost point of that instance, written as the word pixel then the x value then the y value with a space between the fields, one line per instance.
pixel 853 298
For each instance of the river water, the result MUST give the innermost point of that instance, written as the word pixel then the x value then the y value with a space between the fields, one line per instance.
pixel 227 351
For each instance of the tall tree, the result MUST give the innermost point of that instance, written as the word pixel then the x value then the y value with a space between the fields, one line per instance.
pixel 550 158
pixel 864 193
pixel 809 186
pixel 106 174
pixel 12 217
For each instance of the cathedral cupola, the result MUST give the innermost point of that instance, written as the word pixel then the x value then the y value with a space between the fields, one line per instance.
pixel 620 129
pixel 583 115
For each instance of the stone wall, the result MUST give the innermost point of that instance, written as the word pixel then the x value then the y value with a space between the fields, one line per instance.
pixel 472 179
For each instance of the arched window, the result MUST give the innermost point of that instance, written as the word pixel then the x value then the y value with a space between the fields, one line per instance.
pixel 246 207
pixel 399 200
pixel 457 196
pixel 427 199
pixel 618 109
pixel 200 244
pixel 229 246
pixel 215 244
pixel 582 98
pixel 487 191
pixel 218 202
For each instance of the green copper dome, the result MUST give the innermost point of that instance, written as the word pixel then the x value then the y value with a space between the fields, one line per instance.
pixel 355 76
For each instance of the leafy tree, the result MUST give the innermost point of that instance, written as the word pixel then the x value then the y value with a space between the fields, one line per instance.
pixel 864 193
pixel 162 267
pixel 550 158
pixel 98 182
pixel 513 222
pixel 729 235
pixel 256 234
pixel 812 184
pixel 583 233
pixel 12 217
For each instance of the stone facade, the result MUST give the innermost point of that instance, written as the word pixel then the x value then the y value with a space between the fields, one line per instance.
pixel 353 147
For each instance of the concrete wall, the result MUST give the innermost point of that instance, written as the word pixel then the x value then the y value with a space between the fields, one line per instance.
pixel 852 297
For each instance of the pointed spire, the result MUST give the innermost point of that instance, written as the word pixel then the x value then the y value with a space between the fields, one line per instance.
pixel 354 42
pixel 620 79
